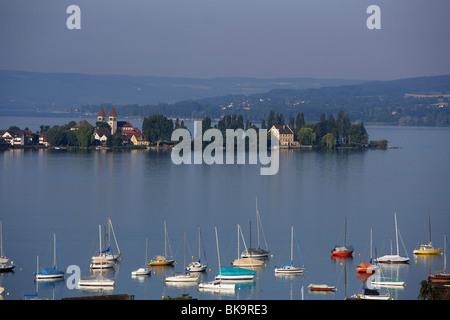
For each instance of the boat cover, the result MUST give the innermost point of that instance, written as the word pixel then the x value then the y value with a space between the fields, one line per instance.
pixel 235 271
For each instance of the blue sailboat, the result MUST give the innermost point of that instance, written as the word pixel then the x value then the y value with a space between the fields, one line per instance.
pixel 52 273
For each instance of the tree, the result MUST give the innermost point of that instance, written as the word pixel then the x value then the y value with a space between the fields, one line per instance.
pixel 157 128
pixel 328 141
pixel 306 135
pixel 84 135
pixel 55 136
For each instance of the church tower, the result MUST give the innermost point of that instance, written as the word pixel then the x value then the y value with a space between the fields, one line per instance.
pixel 101 117
pixel 112 120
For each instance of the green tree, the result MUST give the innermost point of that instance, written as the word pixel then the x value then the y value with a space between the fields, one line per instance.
pixel 55 136
pixel 85 135
pixel 157 128
pixel 328 141
pixel 306 135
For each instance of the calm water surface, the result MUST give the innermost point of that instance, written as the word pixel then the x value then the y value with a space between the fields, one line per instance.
pixel 71 193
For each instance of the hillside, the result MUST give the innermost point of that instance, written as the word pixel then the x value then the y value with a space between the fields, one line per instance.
pixel 49 92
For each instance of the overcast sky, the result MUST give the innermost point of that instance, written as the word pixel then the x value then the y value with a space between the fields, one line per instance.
pixel 227 38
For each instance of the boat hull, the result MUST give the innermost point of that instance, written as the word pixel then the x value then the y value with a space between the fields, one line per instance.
pixel 141 272
pixel 441 278
pixel 161 263
pixel 393 259
pixel 321 287
pixel 289 270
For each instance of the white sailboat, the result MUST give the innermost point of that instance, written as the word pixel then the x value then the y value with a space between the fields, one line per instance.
pixel 184 277
pixel 143 271
pixel 245 262
pixel 394 258
pixel 161 261
pixel 50 273
pixel 217 285
pixel 100 261
pixel 289 268
pixel 4 266
pixel 198 266
pixel 256 252
pixel 108 253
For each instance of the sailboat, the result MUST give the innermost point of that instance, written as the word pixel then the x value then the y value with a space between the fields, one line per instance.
pixel 198 266
pixel 143 271
pixel 108 253
pixel 50 273
pixel 100 261
pixel 184 276
pixel 393 258
pixel 288 268
pixel 427 248
pixel 162 260
pixel 4 266
pixel 367 267
pixel 441 277
pixel 342 250
pixel 217 285
pixel 256 252
pixel 245 262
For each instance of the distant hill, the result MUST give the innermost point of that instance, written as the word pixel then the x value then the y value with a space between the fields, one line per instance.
pixel 48 92
pixel 415 101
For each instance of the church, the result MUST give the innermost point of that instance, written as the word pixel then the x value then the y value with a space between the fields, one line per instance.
pixel 125 128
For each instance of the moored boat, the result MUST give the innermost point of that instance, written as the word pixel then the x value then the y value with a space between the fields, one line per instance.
pixel 289 268
pixel 52 273
pixel 229 273
pixel 321 287
pixel 441 277
pixel 427 248
pixel 342 250
pixel 394 258
pixel 162 260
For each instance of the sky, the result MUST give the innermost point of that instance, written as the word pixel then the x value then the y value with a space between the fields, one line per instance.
pixel 228 38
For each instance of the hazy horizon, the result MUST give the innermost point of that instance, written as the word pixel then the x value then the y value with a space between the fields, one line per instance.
pixel 206 39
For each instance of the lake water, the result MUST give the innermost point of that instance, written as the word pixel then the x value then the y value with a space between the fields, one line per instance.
pixel 70 193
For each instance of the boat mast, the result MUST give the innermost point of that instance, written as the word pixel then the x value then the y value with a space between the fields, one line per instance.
pixel 396 232
pixel 345 233
pixel 292 243
pixel 54 250
pixel 165 239
pixel 429 225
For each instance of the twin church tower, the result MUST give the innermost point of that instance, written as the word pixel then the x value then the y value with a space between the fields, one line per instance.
pixel 112 118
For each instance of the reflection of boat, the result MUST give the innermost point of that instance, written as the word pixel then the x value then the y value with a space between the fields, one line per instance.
pixel 217 285
pixel 245 262
pixel 321 287
pixel 387 282
pixel 4 266
pixel 394 258
pixel 162 260
pixel 371 294
pixel 198 266
pixel 428 247
pixel 50 273
pixel 342 250
pixel 442 276
pixel 143 271
pixel 367 267
pixel 256 252
pixel 95 281
pixel 288 268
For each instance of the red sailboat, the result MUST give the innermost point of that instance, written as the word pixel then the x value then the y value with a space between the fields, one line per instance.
pixel 342 250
